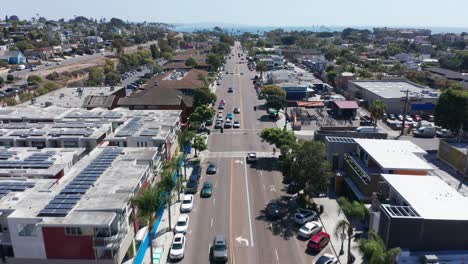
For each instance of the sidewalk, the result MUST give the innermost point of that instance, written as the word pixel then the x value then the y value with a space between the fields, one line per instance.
pixel 281 120
pixel 330 219
pixel 163 238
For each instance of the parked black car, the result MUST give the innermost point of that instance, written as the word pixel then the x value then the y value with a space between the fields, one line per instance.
pixel 191 187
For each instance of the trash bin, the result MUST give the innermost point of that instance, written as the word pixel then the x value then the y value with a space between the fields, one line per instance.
pixel 208 131
pixel 222 130
pixel 321 208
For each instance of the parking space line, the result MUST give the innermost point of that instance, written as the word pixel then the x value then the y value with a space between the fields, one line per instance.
pixel 211 224
pixel 276 252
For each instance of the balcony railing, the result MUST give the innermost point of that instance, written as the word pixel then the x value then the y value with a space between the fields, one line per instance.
pixel 111 241
pixel 356 168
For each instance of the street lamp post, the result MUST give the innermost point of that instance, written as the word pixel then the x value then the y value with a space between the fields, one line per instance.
pixel 342 237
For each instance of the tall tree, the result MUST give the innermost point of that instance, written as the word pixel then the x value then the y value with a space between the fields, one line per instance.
pixel 191 62
pixel 167 184
pixel 271 89
pixel 199 144
pixel 148 204
pixel 276 102
pixel 452 110
pixel 377 110
pixel 342 228
pixel 261 67
pixel 201 114
pixel 203 96
pixel 279 137
pixel 214 60
pixel 185 137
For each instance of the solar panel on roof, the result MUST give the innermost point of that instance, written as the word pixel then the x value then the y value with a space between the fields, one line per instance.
pixel 68 196
pixel 64 201
pixel 54 212
pixel 59 206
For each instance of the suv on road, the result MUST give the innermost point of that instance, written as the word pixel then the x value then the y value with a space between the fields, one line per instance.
pixel 251 157
pixel 220 250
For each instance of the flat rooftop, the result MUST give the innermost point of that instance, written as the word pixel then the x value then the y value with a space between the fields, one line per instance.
pixel 24 163
pixel 70 97
pixel 92 193
pixel 397 89
pixel 433 198
pixel 394 154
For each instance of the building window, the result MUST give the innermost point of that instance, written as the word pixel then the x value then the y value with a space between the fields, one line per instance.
pixel 27 230
pixel 146 144
pixel 73 231
pixel 138 144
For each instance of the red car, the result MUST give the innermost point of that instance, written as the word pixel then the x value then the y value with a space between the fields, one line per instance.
pixel 222 102
pixel 318 241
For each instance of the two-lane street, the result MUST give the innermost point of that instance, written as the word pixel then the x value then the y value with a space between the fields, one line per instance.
pixel 241 191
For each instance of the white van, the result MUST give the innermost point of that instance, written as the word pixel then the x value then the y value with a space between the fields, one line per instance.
pixel 20 67
pixel 367 129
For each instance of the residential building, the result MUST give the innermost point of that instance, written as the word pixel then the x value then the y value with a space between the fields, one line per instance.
pixel 342 79
pixel 171 90
pixel 41 53
pixel 369 158
pixel 420 214
pixel 421 99
pixel 271 61
pixel 450 75
pixel 13 57
pixel 84 217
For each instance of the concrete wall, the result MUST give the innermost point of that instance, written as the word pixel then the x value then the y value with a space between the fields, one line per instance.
pixel 26 246
pixel 59 245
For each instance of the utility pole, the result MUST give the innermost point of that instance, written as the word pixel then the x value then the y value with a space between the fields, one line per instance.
pixel 404 114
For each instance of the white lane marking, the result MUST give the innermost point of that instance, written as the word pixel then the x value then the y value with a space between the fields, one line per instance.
pixel 261 173
pixel 214 199
pixel 209 249
pixel 276 252
pixel 248 204
pixel 211 225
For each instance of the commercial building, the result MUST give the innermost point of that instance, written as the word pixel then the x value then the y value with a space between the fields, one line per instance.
pixel 81 97
pixel 85 216
pixel 421 99
pixel 57 127
pixel 421 214
pixel 364 160
pixel 271 61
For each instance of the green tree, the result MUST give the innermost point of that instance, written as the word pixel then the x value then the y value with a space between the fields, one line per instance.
pixel 148 204
pixel 343 228
pixel 306 165
pixel 96 76
pixel 109 66
pixel 276 102
pixel 214 61
pixel 25 96
pixel 452 109
pixel 352 209
pixel 2 81
pixel 261 67
pixel 375 252
pixel 191 62
pixel 199 144
pixel 112 78
pixel 34 79
pixel 201 114
pixel 271 89
pixel 23 45
pixel 377 110
pixel 167 56
pixel 331 75
pixel 154 51
pixel 10 78
pixel 203 96
pixel 118 45
pixel 184 138
pixel 279 137
pixel 167 184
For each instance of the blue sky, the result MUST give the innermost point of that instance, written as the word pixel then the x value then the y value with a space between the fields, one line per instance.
pixel 416 13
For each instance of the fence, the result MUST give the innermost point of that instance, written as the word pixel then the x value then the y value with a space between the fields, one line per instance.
pixel 140 256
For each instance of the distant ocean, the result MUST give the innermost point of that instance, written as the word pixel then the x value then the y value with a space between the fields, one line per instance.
pixel 234 29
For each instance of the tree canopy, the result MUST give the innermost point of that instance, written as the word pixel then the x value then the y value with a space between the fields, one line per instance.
pixel 201 114
pixel 191 62
pixel 375 252
pixel 203 96
pixel 276 102
pixel 452 109
pixel 271 89
pixel 199 144
pixel 278 137
pixel 377 110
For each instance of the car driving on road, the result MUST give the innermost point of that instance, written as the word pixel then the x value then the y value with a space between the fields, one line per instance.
pixel 211 169
pixel 207 190
pixel 220 249
pixel 273 211
pixel 236 124
pixel 251 157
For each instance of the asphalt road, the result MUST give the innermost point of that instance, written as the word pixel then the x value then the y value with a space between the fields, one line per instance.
pixel 241 191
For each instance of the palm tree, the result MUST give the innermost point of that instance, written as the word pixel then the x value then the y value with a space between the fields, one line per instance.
pixel 261 67
pixel 377 110
pixel 185 137
pixel 374 251
pixel 166 184
pixel 149 202
pixel 343 227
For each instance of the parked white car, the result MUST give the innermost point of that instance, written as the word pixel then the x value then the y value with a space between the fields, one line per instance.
pixel 182 224
pixel 178 247
pixel 310 229
pixel 187 203
pixel 327 259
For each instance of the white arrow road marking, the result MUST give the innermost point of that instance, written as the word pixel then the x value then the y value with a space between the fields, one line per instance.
pixel 272 188
pixel 239 161
pixel 241 240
